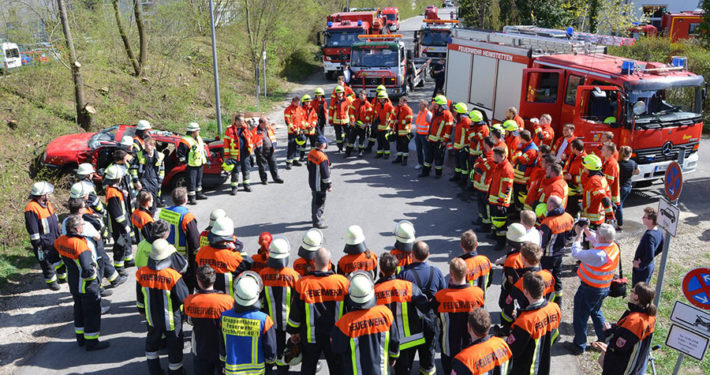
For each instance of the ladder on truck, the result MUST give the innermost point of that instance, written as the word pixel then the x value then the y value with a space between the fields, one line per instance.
pixel 537 43
pixel 569 33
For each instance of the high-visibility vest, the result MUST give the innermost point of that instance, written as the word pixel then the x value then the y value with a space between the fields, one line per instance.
pixel 258 136
pixel 243 334
pixel 421 122
pixel 196 156
pixel 524 163
pixel 461 132
pixel 441 126
pixel 403 120
pixel 174 216
pixel 600 277
pixel 475 138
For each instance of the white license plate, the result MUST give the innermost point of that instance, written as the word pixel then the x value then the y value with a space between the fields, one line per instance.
pixel 660 168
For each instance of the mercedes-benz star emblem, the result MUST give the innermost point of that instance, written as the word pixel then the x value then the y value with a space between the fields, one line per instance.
pixel 667 148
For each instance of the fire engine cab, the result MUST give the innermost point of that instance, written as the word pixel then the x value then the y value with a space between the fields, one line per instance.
pixel 432 38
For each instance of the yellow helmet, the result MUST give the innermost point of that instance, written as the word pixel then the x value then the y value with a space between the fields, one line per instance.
pixel 339 89
pixel 510 125
pixel 498 127
pixel 440 100
pixel 227 167
pixel 592 162
pixel 381 88
pixel 476 115
pixel 382 95
pixel 319 91
pixel 305 98
pixel 460 108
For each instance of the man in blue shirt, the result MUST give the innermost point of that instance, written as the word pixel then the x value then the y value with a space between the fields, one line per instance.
pixel 651 244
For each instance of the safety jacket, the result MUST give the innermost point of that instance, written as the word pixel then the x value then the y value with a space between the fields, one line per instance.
pixel 301 265
pixel 249 341
pixel 233 143
pixel 367 339
pixel 628 342
pixel 258 261
pixel 278 288
pixel 339 111
pixel 545 134
pixel 116 207
pixel 318 170
pixel 516 300
pixel 487 356
pixel 405 300
pixel 293 118
pixel 422 123
pixel 478 131
pixel 554 232
pixel 610 168
pixel 556 186
pixel 318 302
pixel 596 201
pixel 227 263
pixel 349 93
pixel 482 172
pixel 385 115
pixel 194 153
pixel 501 187
pixel 479 270
pixel 361 111
pixel 600 277
pixel 461 131
pixel 365 261
pixel 81 265
pixel 513 144
pixel 568 148
pixel 159 295
pixel 204 310
pixel 150 169
pixel 321 107
pixel 524 162
pixel 403 120
pixel 310 120
pixel 534 186
pixel 531 338
pixel 574 167
pixel 143 220
pixel 377 106
pixel 138 143
pixel 512 271
pixel 404 258
pixel 453 305
pixel 441 125
pixel 179 217
pixel 257 136
pixel 42 224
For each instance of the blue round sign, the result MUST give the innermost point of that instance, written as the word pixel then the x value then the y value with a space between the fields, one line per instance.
pixel 673 181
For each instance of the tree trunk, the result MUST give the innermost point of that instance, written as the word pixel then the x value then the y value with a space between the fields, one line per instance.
pixel 142 37
pixel 124 37
pixel 83 111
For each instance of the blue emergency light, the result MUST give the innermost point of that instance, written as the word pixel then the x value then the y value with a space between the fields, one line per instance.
pixel 627 67
pixel 330 24
pixel 570 31
pixel 359 22
pixel 679 61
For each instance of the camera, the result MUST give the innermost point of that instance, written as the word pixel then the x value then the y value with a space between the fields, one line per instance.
pixel 583 222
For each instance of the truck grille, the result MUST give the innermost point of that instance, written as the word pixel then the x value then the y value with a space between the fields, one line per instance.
pixel 376 81
pixel 658 154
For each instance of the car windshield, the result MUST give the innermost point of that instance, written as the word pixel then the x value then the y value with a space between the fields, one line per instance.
pixel 106 135
pixel 342 38
pixel 391 17
pixel 668 105
pixel 435 37
pixel 373 57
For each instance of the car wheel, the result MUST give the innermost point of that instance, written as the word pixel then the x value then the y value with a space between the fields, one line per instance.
pixel 179 180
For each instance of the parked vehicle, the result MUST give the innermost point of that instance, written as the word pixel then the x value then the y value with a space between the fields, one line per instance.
pixel 9 57
pixel 392 15
pixel 432 38
pixel 431 13
pixel 683 25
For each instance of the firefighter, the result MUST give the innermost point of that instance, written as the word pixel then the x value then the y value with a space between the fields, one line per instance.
pixel 184 235
pixel 349 93
pixel 310 243
pixel 357 256
pixel 497 133
pixel 321 106
pixel 610 168
pixel 319 181
pixel 43 227
pixel 122 161
pixel 191 151
pixel 84 283
pixel 405 236
pixel 279 283
pixel 534 330
pixel 262 255
pixel 377 108
pixel 512 114
pixel 316 305
pixel 604 138
pixel 339 114
pixel 461 131
pixel 421 123
pixel 142 132
pixel 596 198
pixel 384 117
pixel 310 122
pixel 151 171
pixel 120 222
pixel 361 117
pixel 223 254
pixel 573 172
pixel 512 266
pixel 238 146
pixel 405 300
pixel 160 293
pixel 512 139
pixel 402 130
pixel 523 164
pixel 629 340
pixel 500 195
pixel 293 118
pixel 203 310
pixel 537 176
pixel 453 305
pixel 561 149
pixel 85 173
pixel 554 185
pixel 543 130
pixel 478 131
pixel 367 337
pixel 555 230
pixel 439 133
pixel 264 140
pixel 478 266
pixel 214 215
pixel 487 354
pixel 481 175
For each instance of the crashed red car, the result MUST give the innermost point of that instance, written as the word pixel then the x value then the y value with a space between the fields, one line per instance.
pixel 68 151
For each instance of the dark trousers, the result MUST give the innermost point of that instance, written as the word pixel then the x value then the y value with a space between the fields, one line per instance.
pixel 107 269
pixel 291 153
pixel 554 265
pixel 175 346
pixel 483 214
pixel 243 167
pixel 317 207
pixel 519 194
pixel 435 157
pixel 446 363
pixel 51 264
pixel 403 145
pixel 588 302
pixel 383 147
pixel 638 275
pixel 321 127
pixel 311 355
pixel 312 138
pixel 574 205
pixel 438 86
pixel 280 346
pixel 406 358
pixel 499 220
pixel 372 136
pixel 264 158
pixel 87 315
pixel 205 367
pixel 420 143
pixel 357 137
pixel 341 132
pixel 624 192
pixel 194 180
pixel 461 162
pixel 122 247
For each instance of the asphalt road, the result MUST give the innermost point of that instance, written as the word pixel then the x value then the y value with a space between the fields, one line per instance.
pixel 369 192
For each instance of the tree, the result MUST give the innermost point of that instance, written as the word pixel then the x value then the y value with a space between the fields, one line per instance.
pixel 483 14
pixel 84 111
pixel 614 17
pixel 142 37
pixel 124 38
pixel 705 24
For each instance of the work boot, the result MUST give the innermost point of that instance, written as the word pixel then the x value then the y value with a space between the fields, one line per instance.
pixel 105 292
pixel 105 308
pixel 296 163
pixel 425 171
pixel 201 196
pixel 379 155
pixel 288 166
pixel 398 159
pixel 62 278
pixel 457 176
pixel 80 339
pixel 95 344
pixel 278 180
pixel 191 200
pixel 247 188
pixel 387 156
pixel 264 182
pixel 233 191
pixel 54 286
pixel 404 160
pixel 122 271
pixel 119 280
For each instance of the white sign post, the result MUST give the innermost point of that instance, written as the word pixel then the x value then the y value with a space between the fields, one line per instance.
pixel 668 216
pixel 687 342
pixel 692 318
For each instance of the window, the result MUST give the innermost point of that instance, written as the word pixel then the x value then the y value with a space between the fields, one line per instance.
pixel 693 29
pixel 542 87
pixel 571 92
pixel 603 106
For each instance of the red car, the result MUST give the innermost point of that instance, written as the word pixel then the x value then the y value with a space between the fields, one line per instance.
pixel 68 151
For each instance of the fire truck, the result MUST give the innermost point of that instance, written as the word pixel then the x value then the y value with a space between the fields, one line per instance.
pixel 432 38
pixel 655 108
pixel 383 60
pixel 392 15
pixel 683 25
pixel 342 31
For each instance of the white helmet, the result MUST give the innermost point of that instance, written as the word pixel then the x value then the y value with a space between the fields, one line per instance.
pixel 161 249
pixel 127 141
pixel 279 249
pixel 41 188
pixel 516 232
pixel 143 125
pixel 222 230
pixel 312 241
pixel 247 288
pixel 114 172
pixel 355 240
pixel 216 214
pixel 81 189
pixel 193 126
pixel 361 289
pixel 85 169
pixel 404 232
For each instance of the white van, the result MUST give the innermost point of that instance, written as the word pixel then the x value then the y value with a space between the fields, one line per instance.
pixel 9 57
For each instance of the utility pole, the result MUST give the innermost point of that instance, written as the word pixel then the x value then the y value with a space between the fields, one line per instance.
pixel 263 57
pixel 216 72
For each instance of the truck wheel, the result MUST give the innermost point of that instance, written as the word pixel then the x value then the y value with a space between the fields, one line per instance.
pixel 179 180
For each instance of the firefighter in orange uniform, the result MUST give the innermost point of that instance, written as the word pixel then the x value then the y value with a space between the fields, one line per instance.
pixel 460 142
pixel 487 355
pixel 142 217
pixel 543 130
pixel 339 115
pixel 377 107
pixel 500 195
pixel 453 306
pixel 238 146
pixel 357 256
pixel 349 93
pixel 43 227
pixel 309 125
pixel 573 172
pixel 553 185
pixel 264 140
pixel 481 175
pixel 402 130
pixel 262 255
pixel 293 118
pixel 523 164
pixel 405 237
pixel 539 171
pixel 512 139
pixel 361 116
pixel 120 225
pixel 384 118
pixel 610 168
pixel 439 134
pixel 561 149
pixel 478 131
pixel 555 229
pixel 214 215
pixel 478 266
pixel 223 255
pixel 319 181
pixel 596 200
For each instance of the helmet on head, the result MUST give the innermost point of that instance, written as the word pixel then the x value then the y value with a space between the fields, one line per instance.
pixel 516 232
pixel 161 249
pixel 265 239
pixel 382 95
pixel 143 125
pixel 216 214
pixel 81 189
pixel 114 172
pixel 127 141
pixel 405 235
pixel 222 230
pixel 354 240
pixel 41 188
pixel 361 290
pixel 305 98
pixel 381 88
pixel 510 125
pixel 193 126
pixel 592 162
pixel 85 169
pixel 339 88
pixel 440 100
pixel 476 115
pixel 320 91
pixel 279 249
pixel 460 108
pixel 312 240
pixel 247 288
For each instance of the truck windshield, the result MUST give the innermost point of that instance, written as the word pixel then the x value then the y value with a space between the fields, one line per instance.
pixel 391 17
pixel 667 105
pixel 342 38
pixel 375 57
pixel 435 37
pixel 12 53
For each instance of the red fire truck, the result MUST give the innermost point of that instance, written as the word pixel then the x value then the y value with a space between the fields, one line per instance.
pixel 392 15
pixel 342 31
pixel 682 25
pixel 654 108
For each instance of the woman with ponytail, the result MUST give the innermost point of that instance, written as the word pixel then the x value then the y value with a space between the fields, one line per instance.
pixel 628 341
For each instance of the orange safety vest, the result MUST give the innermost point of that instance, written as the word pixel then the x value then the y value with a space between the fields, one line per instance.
pixel 501 188
pixel 461 132
pixel 600 277
pixel 258 137
pixel 441 124
pixel 339 111
pixel 475 138
pixel 422 124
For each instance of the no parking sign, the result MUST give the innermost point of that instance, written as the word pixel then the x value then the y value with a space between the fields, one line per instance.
pixel 696 287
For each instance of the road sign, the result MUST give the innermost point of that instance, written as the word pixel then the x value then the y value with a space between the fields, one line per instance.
pixel 691 317
pixel 668 216
pixel 696 287
pixel 673 181
pixel 687 342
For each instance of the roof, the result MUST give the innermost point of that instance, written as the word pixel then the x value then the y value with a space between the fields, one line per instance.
pixel 389 43
pixel 390 9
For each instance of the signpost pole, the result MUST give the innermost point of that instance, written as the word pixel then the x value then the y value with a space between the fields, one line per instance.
pixel 678 363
